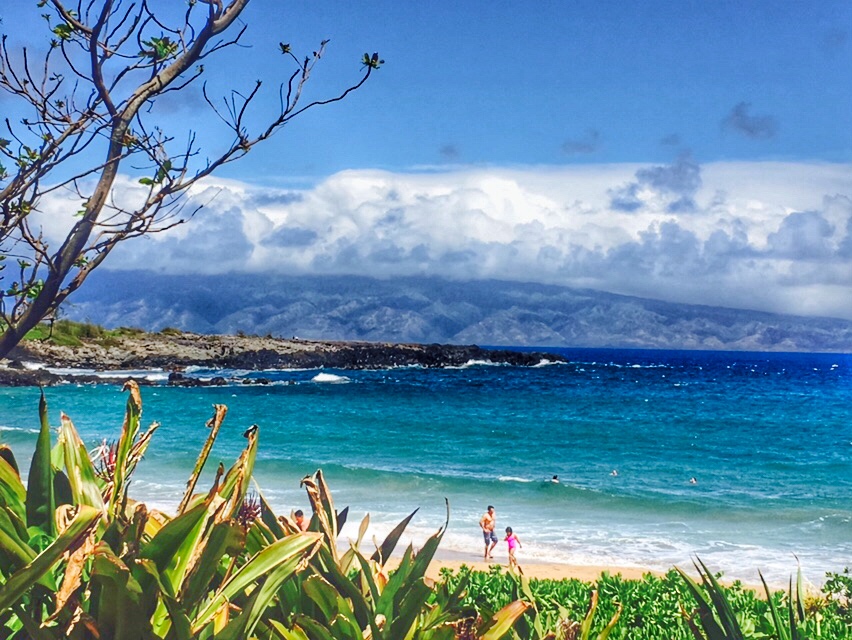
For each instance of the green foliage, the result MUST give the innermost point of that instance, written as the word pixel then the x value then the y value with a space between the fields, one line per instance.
pixel 159 48
pixel 80 559
pixel 67 333
pixel 63 31
pixel 839 586
pixel 371 62
pixel 654 608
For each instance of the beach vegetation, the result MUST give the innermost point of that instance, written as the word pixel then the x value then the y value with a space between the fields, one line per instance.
pixel 68 333
pixel 80 559
pixel 659 607
pixel 89 105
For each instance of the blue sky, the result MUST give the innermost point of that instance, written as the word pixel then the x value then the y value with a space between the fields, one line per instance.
pixel 572 82
pixel 692 151
pixel 508 83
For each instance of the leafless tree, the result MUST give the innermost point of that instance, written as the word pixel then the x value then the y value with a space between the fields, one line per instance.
pixel 89 98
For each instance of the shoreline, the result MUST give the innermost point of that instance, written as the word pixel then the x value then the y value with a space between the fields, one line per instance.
pixel 590 574
pixel 536 569
pixel 173 352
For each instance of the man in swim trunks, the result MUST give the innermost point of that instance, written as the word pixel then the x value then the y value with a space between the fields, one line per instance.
pixel 487 523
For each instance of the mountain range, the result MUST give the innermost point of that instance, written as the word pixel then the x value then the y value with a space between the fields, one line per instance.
pixel 428 310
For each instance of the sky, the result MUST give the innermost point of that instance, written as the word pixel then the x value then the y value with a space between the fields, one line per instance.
pixel 691 151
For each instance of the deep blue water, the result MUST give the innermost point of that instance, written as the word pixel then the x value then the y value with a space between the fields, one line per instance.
pixel 767 437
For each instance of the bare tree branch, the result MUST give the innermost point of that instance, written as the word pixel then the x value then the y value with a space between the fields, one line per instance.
pixel 119 57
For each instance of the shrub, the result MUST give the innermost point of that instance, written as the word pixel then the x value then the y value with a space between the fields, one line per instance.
pixel 79 558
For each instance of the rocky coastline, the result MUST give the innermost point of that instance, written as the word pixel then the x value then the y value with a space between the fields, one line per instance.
pixel 174 351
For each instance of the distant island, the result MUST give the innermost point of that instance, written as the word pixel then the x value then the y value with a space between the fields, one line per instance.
pixel 434 310
pixel 85 346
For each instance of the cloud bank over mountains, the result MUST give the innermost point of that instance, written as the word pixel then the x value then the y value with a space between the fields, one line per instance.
pixel 769 236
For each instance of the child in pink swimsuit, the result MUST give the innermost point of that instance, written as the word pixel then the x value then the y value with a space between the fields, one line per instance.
pixel 514 542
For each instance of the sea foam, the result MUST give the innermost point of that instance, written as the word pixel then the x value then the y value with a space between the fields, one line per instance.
pixel 329 378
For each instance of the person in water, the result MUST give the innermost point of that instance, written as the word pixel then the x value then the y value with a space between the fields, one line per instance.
pixel 514 543
pixel 487 523
pixel 301 522
pixel 555 479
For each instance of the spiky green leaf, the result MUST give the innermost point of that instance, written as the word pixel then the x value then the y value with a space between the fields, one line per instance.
pixel 24 578
pixel 40 501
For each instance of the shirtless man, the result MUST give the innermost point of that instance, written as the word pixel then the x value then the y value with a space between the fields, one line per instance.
pixel 301 522
pixel 487 524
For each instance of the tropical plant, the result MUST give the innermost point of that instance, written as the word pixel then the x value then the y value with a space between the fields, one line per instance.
pixel 351 596
pixel 652 608
pixel 718 619
pixel 80 559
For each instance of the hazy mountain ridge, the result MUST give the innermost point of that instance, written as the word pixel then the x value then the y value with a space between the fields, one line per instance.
pixel 430 310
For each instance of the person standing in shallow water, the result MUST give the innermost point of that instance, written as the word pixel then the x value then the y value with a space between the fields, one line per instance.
pixel 487 523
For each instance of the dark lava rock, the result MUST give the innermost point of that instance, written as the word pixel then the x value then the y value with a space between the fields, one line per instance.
pixel 177 379
pixel 25 378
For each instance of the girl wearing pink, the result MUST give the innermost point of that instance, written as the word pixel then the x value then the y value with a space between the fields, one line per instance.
pixel 514 543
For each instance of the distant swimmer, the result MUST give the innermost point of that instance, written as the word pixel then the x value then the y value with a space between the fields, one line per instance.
pixel 692 480
pixel 613 473
pixel 487 524
pixel 555 479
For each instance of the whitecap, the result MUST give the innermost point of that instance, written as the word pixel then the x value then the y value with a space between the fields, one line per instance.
pixel 513 479
pixel 544 362
pixel 480 363
pixel 18 429
pixel 329 378
pixel 153 375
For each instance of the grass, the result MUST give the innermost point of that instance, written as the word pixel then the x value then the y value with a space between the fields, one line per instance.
pixel 67 333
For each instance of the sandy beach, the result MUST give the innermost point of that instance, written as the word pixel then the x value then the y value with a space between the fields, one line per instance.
pixel 446 559
pixel 562 571
pixel 550 571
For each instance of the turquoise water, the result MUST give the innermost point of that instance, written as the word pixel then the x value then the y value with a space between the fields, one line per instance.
pixel 767 437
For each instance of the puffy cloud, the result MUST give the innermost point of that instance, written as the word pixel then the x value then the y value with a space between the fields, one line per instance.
pixel 802 236
pixel 773 236
pixel 741 121
pixel 670 186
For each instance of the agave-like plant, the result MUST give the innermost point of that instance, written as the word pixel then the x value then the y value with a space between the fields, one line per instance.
pixel 79 559
pixel 351 595
pixel 718 621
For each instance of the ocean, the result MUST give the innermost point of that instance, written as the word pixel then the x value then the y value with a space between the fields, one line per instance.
pixel 767 438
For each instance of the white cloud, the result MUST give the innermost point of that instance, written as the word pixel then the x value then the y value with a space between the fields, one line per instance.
pixel 773 236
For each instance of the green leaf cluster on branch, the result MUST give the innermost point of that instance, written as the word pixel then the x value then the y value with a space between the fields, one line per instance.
pixel 89 100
